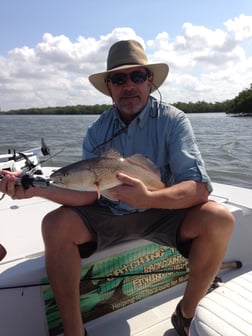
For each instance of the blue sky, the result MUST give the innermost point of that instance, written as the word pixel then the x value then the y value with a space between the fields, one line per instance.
pixel 23 22
pixel 37 37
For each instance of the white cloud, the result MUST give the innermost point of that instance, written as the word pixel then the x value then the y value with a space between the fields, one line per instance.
pixel 241 27
pixel 205 64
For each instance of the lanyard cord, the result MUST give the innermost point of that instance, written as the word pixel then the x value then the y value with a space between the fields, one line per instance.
pixel 122 130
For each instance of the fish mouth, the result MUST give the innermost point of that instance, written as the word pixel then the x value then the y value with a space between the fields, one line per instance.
pixel 58 183
pixel 56 179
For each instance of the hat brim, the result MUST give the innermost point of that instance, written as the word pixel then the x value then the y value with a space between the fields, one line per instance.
pixel 160 72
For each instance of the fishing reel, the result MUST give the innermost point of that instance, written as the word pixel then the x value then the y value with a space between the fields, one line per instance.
pixel 28 181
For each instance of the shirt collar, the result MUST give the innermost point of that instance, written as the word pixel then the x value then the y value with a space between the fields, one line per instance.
pixel 141 118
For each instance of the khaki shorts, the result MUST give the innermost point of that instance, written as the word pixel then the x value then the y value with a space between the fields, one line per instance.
pixel 157 225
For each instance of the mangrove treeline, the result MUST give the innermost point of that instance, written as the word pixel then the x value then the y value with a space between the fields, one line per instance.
pixel 240 105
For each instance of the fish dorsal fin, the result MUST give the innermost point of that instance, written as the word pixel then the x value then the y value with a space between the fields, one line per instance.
pixel 144 162
pixel 111 153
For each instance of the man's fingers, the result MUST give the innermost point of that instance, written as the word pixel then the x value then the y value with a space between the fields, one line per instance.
pixel 125 179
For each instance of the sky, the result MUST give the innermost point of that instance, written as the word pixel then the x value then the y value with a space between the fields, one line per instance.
pixel 49 48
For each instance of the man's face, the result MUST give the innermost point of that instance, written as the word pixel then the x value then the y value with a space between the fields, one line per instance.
pixel 130 89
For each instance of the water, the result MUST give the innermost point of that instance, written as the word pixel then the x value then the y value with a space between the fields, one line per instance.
pixel 226 146
pixel 225 142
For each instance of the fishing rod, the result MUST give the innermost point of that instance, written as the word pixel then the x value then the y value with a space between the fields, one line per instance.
pixel 184 269
pixel 28 179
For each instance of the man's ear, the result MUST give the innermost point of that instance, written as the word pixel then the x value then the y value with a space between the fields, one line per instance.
pixel 150 81
pixel 108 87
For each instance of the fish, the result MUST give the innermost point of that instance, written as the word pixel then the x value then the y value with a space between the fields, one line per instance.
pixel 99 173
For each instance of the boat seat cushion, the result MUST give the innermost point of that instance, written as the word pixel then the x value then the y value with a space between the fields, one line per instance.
pixel 227 311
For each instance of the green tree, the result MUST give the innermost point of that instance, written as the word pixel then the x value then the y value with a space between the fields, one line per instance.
pixel 241 104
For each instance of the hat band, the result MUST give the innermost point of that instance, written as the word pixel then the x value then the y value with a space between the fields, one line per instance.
pixel 124 64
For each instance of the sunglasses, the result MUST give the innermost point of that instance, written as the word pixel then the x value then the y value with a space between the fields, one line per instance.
pixel 120 78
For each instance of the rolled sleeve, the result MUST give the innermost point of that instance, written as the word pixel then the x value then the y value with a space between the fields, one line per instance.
pixel 186 162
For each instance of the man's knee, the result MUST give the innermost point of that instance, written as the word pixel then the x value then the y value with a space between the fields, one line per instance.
pixel 64 224
pixel 208 217
pixel 219 214
pixel 53 223
pixel 220 223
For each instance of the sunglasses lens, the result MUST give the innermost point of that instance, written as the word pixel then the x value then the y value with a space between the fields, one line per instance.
pixel 121 78
pixel 138 76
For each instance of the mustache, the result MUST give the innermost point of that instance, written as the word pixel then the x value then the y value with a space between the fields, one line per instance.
pixel 129 93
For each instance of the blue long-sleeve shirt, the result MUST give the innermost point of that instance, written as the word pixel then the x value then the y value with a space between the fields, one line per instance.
pixel 160 132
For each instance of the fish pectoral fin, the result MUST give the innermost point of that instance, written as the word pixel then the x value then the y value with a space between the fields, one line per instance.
pixel 98 191
pixel 109 195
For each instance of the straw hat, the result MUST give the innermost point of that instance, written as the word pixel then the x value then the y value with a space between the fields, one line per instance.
pixel 125 55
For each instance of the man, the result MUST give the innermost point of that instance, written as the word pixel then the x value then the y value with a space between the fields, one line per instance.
pixel 179 215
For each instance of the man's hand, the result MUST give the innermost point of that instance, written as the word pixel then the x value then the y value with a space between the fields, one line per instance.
pixel 132 191
pixel 178 196
pixel 9 186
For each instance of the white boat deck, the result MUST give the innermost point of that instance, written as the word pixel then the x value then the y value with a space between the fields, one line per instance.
pixel 148 317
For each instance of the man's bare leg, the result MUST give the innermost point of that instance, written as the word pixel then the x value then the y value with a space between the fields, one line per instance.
pixel 62 231
pixel 209 226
